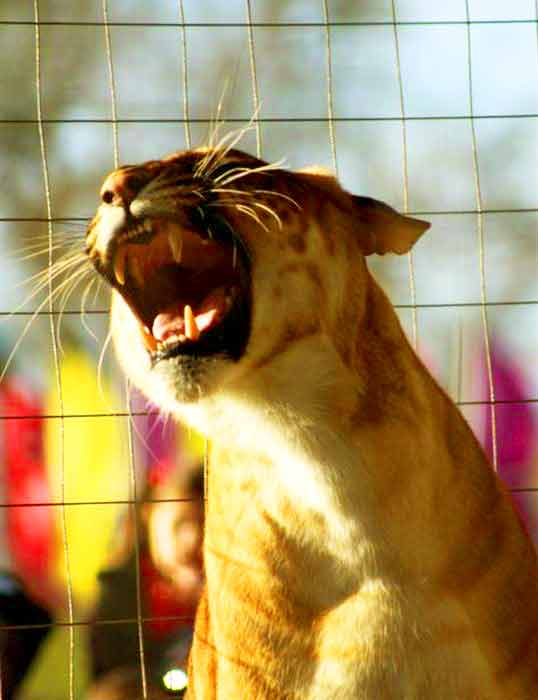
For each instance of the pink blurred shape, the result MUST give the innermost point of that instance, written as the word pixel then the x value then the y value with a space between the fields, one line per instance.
pixel 516 431
pixel 515 421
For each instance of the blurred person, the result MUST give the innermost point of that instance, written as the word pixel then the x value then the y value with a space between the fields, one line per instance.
pixel 175 534
pixel 170 533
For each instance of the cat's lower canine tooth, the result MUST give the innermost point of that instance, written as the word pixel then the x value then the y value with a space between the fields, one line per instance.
pixel 191 329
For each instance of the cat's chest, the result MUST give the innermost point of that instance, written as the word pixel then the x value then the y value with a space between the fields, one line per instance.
pixel 271 643
pixel 306 601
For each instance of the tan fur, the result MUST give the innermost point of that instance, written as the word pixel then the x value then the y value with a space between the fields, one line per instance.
pixel 358 545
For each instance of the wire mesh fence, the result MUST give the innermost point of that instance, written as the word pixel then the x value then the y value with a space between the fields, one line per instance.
pixel 432 109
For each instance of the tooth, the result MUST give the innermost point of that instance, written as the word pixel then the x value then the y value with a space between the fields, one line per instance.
pixel 135 268
pixel 176 246
pixel 147 225
pixel 171 340
pixel 151 343
pixel 119 264
pixel 191 329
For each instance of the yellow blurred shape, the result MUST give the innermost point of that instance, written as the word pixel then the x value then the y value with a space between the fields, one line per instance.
pixel 88 461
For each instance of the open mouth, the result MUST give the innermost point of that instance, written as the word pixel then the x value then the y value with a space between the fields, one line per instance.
pixel 189 288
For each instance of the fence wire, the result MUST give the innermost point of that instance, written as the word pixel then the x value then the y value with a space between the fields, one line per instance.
pixel 188 121
pixel 129 418
pixel 55 352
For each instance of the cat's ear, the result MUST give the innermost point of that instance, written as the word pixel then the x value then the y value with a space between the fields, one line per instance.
pixel 384 230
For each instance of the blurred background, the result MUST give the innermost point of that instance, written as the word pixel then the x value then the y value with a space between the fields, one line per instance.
pixel 380 91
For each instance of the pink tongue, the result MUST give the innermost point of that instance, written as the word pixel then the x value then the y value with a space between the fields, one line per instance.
pixel 171 321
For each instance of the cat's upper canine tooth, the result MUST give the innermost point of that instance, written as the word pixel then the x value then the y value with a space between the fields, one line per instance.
pixel 176 246
pixel 147 226
pixel 119 264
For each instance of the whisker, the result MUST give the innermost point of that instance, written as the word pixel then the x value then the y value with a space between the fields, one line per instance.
pixel 84 298
pixel 224 179
pixel 66 259
pixel 222 202
pixel 42 281
pixel 219 152
pixel 23 254
pixel 269 211
pixel 229 172
pixel 75 278
pixel 250 212
pixel 100 364
pixel 203 165
pixel 279 194
pixel 213 130
pixel 39 245
pixel 73 274
pixel 57 233
pixel 19 340
pixel 61 222
pixel 97 290
pixel 235 137
pixel 35 242
pixel 216 123
pixel 212 158
pixel 250 196
pixel 228 190
pixel 50 297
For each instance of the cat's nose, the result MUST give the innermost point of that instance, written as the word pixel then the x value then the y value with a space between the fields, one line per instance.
pixel 120 188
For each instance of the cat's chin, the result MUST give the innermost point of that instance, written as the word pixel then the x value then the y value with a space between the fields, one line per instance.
pixel 186 379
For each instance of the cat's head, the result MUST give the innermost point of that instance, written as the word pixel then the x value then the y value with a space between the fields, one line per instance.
pixel 221 263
